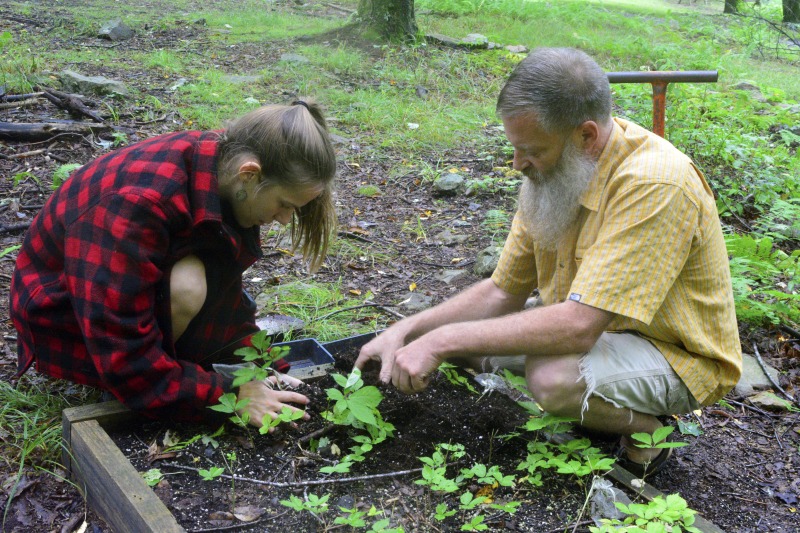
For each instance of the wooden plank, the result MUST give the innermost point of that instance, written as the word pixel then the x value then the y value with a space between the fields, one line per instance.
pixel 107 414
pixel 112 486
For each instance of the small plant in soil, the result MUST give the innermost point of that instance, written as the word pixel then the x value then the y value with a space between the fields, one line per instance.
pixel 261 355
pixel 356 405
pixel 662 514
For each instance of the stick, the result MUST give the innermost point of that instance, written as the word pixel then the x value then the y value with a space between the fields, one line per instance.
pixel 303 483
pixel 382 307
pixel 20 103
pixel 14 227
pixel 18 97
pixel 13 131
pixel 26 154
pixel 764 368
pixel 793 332
pixel 314 434
pixel 71 103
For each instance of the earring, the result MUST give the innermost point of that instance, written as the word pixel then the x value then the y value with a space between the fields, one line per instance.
pixel 241 195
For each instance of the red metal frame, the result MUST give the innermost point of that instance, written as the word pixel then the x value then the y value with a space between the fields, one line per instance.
pixel 659 80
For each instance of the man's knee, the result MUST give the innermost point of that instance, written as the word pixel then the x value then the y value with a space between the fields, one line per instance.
pixel 555 384
pixel 188 288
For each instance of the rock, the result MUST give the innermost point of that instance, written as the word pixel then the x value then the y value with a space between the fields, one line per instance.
pixel 486 261
pixel 240 80
pixel 293 58
pixel 415 302
pixel 449 184
pixel 99 85
pixel 476 40
pixel 752 89
pixel 517 49
pixel 442 39
pixel 115 30
pixel 769 401
pixel 448 238
pixel 450 276
pixel 753 378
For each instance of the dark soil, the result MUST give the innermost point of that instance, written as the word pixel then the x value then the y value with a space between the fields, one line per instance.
pixel 742 473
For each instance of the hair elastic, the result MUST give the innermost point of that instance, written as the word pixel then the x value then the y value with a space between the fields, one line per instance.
pixel 302 103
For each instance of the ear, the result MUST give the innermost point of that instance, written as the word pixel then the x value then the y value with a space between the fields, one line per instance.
pixel 248 170
pixel 587 135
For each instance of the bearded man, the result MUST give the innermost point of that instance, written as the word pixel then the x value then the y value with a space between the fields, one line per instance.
pixel 619 232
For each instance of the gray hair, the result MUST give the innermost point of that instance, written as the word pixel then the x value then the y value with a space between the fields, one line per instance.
pixel 563 87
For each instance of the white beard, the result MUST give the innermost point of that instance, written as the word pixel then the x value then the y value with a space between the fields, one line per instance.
pixel 549 201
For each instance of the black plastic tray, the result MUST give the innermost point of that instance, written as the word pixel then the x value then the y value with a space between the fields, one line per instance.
pixel 309 358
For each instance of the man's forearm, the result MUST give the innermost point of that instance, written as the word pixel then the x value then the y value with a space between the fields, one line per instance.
pixel 560 329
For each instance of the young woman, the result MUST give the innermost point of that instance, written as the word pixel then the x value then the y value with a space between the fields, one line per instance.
pixel 130 277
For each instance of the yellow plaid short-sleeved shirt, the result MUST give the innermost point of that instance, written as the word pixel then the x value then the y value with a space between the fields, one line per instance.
pixel 647 247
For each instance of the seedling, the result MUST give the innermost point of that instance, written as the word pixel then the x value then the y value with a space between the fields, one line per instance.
pixel 450 371
pixel 152 477
pixel 661 514
pixel 62 173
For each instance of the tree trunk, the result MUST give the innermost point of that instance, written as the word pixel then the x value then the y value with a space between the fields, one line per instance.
pixel 390 19
pixel 731 6
pixel 791 11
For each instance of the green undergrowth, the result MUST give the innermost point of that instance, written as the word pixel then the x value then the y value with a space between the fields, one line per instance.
pixel 406 105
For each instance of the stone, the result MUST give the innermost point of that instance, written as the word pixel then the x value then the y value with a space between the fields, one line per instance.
pixel 769 401
pixel 752 88
pixel 487 261
pixel 753 377
pixel 240 80
pixel 77 83
pixel 293 58
pixel 449 184
pixel 115 30
pixel 415 302
pixel 451 276
pixel 517 49
pixel 448 238
pixel 476 40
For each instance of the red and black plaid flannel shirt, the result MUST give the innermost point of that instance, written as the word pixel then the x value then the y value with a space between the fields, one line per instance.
pixel 90 294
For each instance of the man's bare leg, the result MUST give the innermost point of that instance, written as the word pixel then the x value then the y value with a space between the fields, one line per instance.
pixel 556 384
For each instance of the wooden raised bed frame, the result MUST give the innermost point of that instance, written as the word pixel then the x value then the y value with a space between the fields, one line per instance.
pixel 117 492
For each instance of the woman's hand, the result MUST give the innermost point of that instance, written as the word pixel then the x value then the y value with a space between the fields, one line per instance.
pixel 267 401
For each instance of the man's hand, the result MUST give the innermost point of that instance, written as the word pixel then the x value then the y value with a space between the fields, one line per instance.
pixel 267 401
pixel 414 366
pixel 408 368
pixel 382 350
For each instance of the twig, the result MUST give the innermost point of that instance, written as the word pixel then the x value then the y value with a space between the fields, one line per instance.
pixel 242 525
pixel 774 384
pixel 20 103
pixel 351 235
pixel 738 497
pixel 382 307
pixel 27 154
pixel 314 434
pixel 18 97
pixel 14 227
pixel 793 332
pixel 303 483
pixel 751 407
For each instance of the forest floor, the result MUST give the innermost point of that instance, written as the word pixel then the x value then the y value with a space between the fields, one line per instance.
pixel 742 472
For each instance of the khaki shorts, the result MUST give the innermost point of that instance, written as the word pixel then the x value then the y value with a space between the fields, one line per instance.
pixel 627 371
